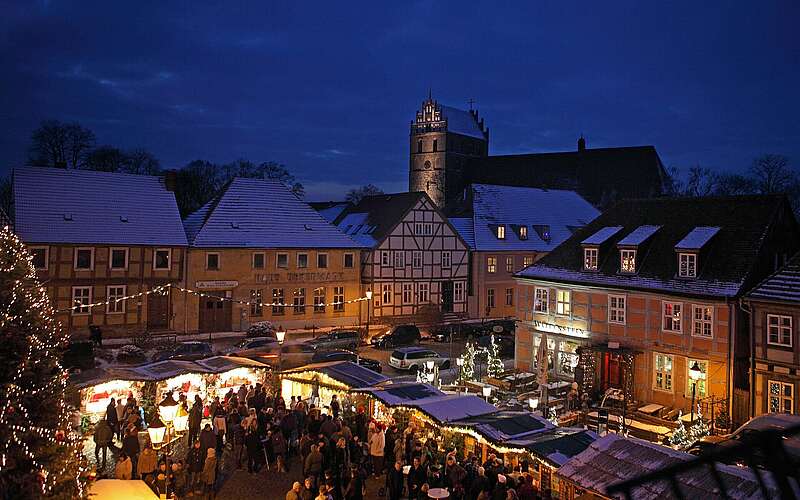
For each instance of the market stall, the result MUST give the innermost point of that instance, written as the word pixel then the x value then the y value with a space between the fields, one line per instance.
pixel 320 381
pixel 179 377
pixel 98 386
pixel 230 372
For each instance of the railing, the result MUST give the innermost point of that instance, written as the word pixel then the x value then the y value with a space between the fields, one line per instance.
pixel 781 467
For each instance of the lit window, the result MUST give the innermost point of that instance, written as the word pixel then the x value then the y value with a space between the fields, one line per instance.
pixel 662 379
pixel 258 261
pixel 509 296
pixel 114 294
pixel 458 294
pixel 563 303
pixel 423 293
pixel 540 300
pixel 627 261
pixel 527 261
pixel 299 298
pixel 781 397
pixel 338 298
pixel 490 298
pixel 523 232
pixel 84 258
pixel 349 260
pixel 279 299
pixel 81 298
pixel 590 259
pixel 416 259
pixel 212 261
pixel 700 388
pixel 387 293
pixel 119 258
pixel 616 309
pixel 687 265
pixel 543 231
pixel 779 330
pixel 162 259
pixel 702 321
pixel 501 232
pixel 319 299
pixel 302 260
pixel 672 316
pixel 39 256
pixel 491 264
pixel 408 293
pixel 447 260
pixel 509 264
pixel 282 261
pixel 322 260
pixel 399 259
pixel 256 303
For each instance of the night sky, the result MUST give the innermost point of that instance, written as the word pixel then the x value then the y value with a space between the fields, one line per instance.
pixel 329 90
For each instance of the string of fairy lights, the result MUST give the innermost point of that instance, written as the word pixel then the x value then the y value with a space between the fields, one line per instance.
pixel 161 289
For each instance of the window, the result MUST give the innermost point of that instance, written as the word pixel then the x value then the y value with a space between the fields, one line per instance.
pixel 399 259
pixel 302 260
pixel 408 293
pixel 590 259
pixel 319 299
pixel 385 258
pixel 256 303
pixel 509 296
pixel 509 264
pixel 563 303
pixel 616 309
pixel 700 388
pixel 540 297
pixel 490 298
pixel 81 298
pixel 40 256
pixel 423 293
pixel 212 261
pixel 278 299
pixel 458 291
pixel 779 330
pixel 322 260
pixel 543 231
pixel 349 260
pixel 418 228
pixel 662 379
pixel 338 299
pixel 162 258
pixel 702 321
pixel 672 316
pixel 118 258
pixel 419 146
pixel 491 264
pixel 427 229
pixel 447 259
pixel 114 294
pixel 299 300
pixel 687 265
pixel 258 260
pixel 84 258
pixel 781 397
pixel 435 145
pixel 627 261
pixel 501 232
pixel 523 232
pixel 527 261
pixel 386 293
pixel 416 259
pixel 282 261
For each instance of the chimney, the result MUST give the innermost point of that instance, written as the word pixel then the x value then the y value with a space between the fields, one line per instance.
pixel 171 180
pixel 581 143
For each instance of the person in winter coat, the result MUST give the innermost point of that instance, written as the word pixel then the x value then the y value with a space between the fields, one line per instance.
pixel 123 469
pixel 355 487
pixel 527 491
pixel 195 460
pixel 454 476
pixel 279 448
pixel 307 493
pixel 120 410
pixel 207 438
pixel 313 466
pixel 335 407
pixel 294 493
pixel 103 436
pixel 210 472
pixel 416 478
pixel 395 481
pixel 500 489
pixel 111 417
pixel 130 447
pixel 195 419
pixel 146 464
pixel 252 443
pixel 377 443
pixel 178 479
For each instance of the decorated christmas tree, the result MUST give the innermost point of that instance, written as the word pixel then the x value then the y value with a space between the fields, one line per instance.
pixel 552 417
pixel 699 428
pixel 680 438
pixel 467 371
pixel 40 456
pixel 494 363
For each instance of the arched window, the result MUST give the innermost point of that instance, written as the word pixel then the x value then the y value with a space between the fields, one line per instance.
pixel 419 146
pixel 435 145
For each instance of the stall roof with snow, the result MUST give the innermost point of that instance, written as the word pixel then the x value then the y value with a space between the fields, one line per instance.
pixel 556 445
pixel 88 378
pixel 505 425
pixel 346 372
pixel 402 393
pixel 452 407
pixel 221 364
pixel 613 458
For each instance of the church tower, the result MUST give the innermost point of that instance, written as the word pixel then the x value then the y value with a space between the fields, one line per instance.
pixel 443 139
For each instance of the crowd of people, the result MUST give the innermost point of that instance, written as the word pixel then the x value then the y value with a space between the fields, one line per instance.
pixel 331 457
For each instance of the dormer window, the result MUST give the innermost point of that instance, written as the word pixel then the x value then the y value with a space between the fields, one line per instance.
pixel 501 232
pixel 523 232
pixel 590 259
pixel 543 231
pixel 627 261
pixel 687 265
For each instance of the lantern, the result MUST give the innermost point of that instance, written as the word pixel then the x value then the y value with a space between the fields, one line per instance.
pixel 168 408
pixel 157 430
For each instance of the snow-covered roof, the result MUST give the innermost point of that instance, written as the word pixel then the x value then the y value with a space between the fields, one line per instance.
pixel 782 286
pixel 403 393
pixel 505 425
pixel 358 228
pixel 262 213
pixel 602 235
pixel 462 122
pixel 638 236
pixel 613 458
pixel 352 375
pixel 697 238
pixel 557 445
pixel 557 211
pixel 222 364
pixel 330 210
pixel 452 407
pixel 55 205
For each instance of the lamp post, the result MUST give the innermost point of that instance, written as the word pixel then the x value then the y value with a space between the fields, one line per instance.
pixel 487 391
pixel 460 364
pixel 533 403
pixel 429 371
pixel 170 417
pixel 695 373
pixel 368 294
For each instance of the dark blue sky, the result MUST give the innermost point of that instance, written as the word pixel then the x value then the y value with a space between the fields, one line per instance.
pixel 329 89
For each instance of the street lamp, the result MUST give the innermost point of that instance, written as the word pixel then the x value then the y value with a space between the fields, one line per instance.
pixel 157 431
pixel 368 294
pixel 280 334
pixel 460 364
pixel 695 374
pixel 167 409
pixel 487 391
pixel 534 403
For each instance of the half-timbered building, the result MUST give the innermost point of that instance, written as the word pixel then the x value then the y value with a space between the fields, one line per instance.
pixel 417 263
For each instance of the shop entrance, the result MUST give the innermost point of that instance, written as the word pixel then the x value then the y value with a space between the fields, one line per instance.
pixel 216 314
pixel 158 310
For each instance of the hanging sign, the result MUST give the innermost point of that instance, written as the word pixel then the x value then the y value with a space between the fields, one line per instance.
pixel 216 284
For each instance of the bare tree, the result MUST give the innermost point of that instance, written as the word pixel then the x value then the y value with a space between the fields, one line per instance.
pixel 355 195
pixel 141 162
pixel 772 174
pixel 277 171
pixel 57 144
pixel 106 159
pixel 734 184
pixel 701 182
pixel 197 183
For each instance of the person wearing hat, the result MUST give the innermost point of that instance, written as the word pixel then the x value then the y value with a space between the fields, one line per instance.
pixel 294 493
pixel 210 472
pixel 500 489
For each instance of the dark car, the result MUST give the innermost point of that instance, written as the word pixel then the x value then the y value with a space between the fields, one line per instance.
pixel 458 331
pixel 337 339
pixel 79 354
pixel 251 343
pixel 398 336
pixel 186 351
pixel 324 357
pixel 506 343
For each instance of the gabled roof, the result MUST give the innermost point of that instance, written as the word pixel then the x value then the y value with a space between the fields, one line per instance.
pixel 330 210
pixel 462 122
pixel 781 286
pixel 724 270
pixel 55 205
pixel 515 207
pixel 261 213
pixel 602 235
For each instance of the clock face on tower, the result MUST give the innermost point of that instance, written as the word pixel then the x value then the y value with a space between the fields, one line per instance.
pixel 427 165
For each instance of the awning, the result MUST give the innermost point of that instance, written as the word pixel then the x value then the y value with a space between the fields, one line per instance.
pixel 222 364
pixel 345 372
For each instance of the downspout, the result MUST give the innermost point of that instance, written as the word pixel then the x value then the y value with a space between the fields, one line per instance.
pixel 752 338
pixel 732 328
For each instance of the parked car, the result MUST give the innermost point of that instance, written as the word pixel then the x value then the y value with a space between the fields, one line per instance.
pixel 496 326
pixel 288 355
pixel 414 358
pixel 326 356
pixel 750 433
pixel 459 331
pixel 246 344
pixel 337 339
pixel 506 343
pixel 398 336
pixel 79 354
pixel 186 351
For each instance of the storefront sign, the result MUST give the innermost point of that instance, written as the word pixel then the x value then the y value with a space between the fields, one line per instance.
pixel 320 277
pixel 565 330
pixel 216 284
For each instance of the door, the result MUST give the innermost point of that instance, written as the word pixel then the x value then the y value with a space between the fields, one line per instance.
pixel 611 371
pixel 158 310
pixel 447 296
pixel 215 313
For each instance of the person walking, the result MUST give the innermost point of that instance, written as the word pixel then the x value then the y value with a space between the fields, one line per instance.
pixel 208 439
pixel 147 462
pixel 252 444
pixel 395 481
pixel 111 418
pixel 103 436
pixel 313 465
pixel 210 473
pixel 123 469
pixel 195 419
pixel 120 410
pixel 195 460
pixel 130 447
pixel 377 443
